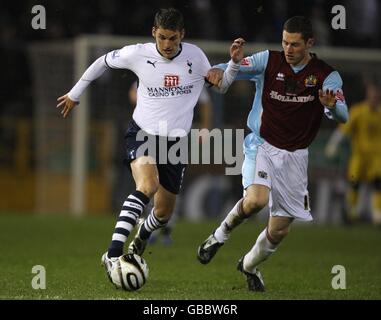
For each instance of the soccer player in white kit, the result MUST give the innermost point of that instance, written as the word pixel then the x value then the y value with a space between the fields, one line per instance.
pixel 171 77
pixel 205 109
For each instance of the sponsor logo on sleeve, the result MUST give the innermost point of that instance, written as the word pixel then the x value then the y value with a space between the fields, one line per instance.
pixel 340 95
pixel 246 62
pixel 262 174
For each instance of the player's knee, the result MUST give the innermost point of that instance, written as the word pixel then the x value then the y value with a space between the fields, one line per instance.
pixel 277 235
pixel 252 205
pixel 148 186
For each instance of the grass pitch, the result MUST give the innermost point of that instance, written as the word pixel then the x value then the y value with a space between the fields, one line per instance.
pixel 70 250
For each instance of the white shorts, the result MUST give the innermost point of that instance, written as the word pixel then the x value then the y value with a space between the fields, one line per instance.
pixel 285 174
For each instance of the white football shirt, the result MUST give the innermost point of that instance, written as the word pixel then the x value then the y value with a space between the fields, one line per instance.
pixel 168 89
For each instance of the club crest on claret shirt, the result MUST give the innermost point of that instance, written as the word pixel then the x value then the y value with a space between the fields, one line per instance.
pixel 310 81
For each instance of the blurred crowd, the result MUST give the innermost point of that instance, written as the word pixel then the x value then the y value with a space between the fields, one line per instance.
pixel 255 20
pixel 219 20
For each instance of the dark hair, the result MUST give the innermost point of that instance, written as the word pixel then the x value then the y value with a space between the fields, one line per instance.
pixel 299 24
pixel 170 18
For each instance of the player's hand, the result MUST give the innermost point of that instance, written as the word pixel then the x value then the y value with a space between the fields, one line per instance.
pixel 214 76
pixel 66 104
pixel 327 98
pixel 236 50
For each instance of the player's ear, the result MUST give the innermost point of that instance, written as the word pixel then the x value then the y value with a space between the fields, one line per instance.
pixel 182 34
pixel 154 32
pixel 310 43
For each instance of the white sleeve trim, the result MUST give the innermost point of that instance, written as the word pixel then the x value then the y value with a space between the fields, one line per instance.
pixel 229 75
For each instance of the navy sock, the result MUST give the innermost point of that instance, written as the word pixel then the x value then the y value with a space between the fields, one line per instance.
pixel 130 213
pixel 150 225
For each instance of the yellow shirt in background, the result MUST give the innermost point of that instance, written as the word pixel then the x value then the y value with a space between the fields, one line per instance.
pixel 364 131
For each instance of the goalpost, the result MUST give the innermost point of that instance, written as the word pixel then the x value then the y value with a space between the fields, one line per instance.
pixel 67 62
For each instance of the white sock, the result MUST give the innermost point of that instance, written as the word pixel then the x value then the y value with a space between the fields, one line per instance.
pixel 232 220
pixel 262 249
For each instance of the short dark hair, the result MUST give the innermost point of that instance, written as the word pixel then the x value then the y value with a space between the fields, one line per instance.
pixel 170 18
pixel 299 24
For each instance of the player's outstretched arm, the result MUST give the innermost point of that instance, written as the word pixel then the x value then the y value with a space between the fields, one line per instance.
pixel 332 98
pixel 327 98
pixel 223 79
pixel 236 50
pixel 214 76
pixel 66 104
pixel 68 101
pixel 335 104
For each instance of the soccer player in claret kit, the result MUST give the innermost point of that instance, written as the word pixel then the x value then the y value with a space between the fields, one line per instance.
pixel 294 88
pixel 171 77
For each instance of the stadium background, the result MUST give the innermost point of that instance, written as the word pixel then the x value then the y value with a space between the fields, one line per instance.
pixel 39 65
pixel 36 148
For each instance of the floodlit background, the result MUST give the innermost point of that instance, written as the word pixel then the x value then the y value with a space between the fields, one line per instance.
pixel 38 152
pixel 74 167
